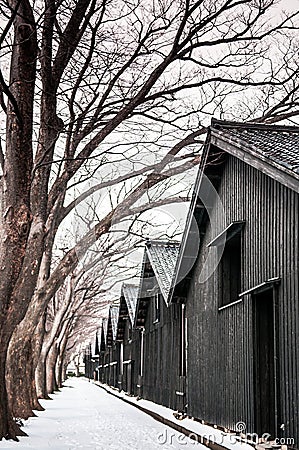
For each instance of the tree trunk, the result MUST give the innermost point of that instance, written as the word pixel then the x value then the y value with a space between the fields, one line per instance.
pixel 59 367
pixel 36 349
pixel 19 268
pixel 5 417
pixel 40 371
pixel 40 377
pixel 64 368
pixel 20 377
pixel 50 369
pixel 77 366
pixel 59 363
pixel 23 354
pixel 60 360
pixel 8 427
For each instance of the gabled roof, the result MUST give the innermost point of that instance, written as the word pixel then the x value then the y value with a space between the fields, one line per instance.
pixel 162 257
pixel 271 148
pixel 127 308
pixel 130 294
pixel 97 343
pixel 101 336
pixel 113 319
pixel 105 329
pixel 159 262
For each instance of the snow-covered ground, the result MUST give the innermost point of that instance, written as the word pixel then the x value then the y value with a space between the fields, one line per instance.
pixel 196 428
pixel 84 416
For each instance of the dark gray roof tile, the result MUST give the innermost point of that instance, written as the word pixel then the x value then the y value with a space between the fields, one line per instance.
pixel 277 143
pixel 163 257
pixel 114 313
pixel 130 293
pixel 105 327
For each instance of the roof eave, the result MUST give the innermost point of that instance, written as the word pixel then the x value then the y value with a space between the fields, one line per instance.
pixel 190 216
pixel 159 282
pixel 240 150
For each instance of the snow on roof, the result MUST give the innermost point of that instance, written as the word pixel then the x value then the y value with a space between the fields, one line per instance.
pixel 97 343
pixel 105 327
pixel 163 257
pixel 276 143
pixel 99 335
pixel 114 313
pixel 130 293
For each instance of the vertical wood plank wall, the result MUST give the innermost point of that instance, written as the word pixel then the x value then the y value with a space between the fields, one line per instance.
pixel 162 354
pixel 220 343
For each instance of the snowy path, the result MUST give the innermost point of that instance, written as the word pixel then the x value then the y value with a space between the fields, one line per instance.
pixel 84 416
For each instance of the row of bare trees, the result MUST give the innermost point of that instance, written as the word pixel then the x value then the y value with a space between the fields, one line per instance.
pixel 104 103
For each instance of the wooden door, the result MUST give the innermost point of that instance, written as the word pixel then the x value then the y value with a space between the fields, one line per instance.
pixel 265 363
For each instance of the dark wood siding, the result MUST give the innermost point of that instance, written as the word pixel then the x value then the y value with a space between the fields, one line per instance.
pixel 162 354
pixel 220 343
pixel 131 357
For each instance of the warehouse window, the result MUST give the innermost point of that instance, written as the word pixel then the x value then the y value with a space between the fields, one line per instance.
pixel 230 271
pixel 157 308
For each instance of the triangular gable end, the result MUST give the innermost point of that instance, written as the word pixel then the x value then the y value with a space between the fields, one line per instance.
pixel 114 313
pixel 163 257
pixel 272 149
pixel 130 294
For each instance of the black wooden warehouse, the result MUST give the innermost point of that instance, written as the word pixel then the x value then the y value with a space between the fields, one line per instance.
pixel 162 374
pixel 118 344
pixel 101 347
pixel 243 321
pixel 220 341
pixel 128 340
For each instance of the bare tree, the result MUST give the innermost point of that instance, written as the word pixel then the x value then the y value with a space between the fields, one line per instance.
pixel 120 92
pixel 79 304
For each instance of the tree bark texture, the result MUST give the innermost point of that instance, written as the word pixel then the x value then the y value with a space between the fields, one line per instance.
pixel 16 225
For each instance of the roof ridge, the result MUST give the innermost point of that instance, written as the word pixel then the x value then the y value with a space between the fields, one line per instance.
pixel 130 284
pixel 217 123
pixel 161 242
